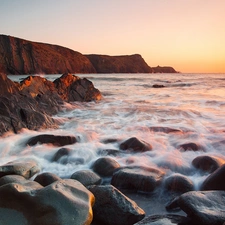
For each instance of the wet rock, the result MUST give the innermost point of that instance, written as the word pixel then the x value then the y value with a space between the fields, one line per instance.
pixel 52 139
pixel 215 181
pixel 8 179
pixel 135 145
pixel 86 177
pixel 203 207
pixel 166 130
pixel 7 87
pixel 169 219
pixel 23 167
pixel 190 147
pixel 207 163
pixel 60 153
pixel 158 86
pixel 46 179
pixel 109 140
pixel 62 203
pixel 72 88
pixel 113 208
pixel 178 183
pixel 105 152
pixel 144 179
pixel 105 166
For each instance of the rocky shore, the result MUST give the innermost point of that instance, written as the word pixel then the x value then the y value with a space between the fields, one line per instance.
pixel 104 193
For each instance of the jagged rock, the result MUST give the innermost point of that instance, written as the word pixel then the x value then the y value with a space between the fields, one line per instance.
pixel 203 207
pixel 135 145
pixel 105 166
pixel 119 64
pixel 215 181
pixel 51 139
pixel 20 56
pixel 62 203
pixel 46 179
pixel 114 208
pixel 208 163
pixel 24 167
pixel 86 177
pixel 137 178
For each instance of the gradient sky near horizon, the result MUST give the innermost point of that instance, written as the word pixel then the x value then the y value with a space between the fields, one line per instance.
pixel 186 34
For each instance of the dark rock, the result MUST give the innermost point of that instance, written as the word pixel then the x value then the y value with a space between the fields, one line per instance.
pixel 72 88
pixel 190 146
pixel 20 56
pixel 163 69
pixel 135 145
pixel 144 179
pixel 158 86
pixel 113 152
pixel 119 64
pixel 86 177
pixel 7 87
pixel 166 130
pixel 109 140
pixel 168 219
pixel 178 183
pixel 203 207
pixel 52 139
pixel 207 163
pixel 8 179
pixel 23 167
pixel 60 153
pixel 113 208
pixel 215 181
pixel 46 179
pixel 105 166
pixel 62 203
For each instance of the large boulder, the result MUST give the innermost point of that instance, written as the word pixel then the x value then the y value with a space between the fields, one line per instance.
pixel 62 203
pixel 203 207
pixel 114 208
pixel 215 181
pixel 24 167
pixel 46 178
pixel 144 179
pixel 134 144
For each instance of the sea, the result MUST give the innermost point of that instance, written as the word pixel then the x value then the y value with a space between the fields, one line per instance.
pixel 191 104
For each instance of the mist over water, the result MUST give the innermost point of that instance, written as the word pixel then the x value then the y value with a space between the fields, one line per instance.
pixel 193 104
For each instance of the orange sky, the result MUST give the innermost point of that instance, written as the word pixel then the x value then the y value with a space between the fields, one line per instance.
pixel 186 34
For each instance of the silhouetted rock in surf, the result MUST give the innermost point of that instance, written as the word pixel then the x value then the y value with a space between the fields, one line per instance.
pixel 163 69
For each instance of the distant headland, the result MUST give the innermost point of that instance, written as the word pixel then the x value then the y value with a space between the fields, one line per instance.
pixel 19 56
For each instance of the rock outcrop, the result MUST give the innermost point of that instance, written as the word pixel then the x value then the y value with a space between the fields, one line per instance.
pixel 119 64
pixel 31 103
pixel 18 56
pixel 163 69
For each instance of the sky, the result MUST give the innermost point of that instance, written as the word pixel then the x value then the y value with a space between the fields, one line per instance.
pixel 188 35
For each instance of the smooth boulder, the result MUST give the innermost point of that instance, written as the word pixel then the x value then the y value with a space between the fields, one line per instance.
pixel 114 208
pixel 46 178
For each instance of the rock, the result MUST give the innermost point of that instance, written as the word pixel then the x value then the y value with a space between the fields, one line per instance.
pixel 178 183
pixel 86 177
pixel 24 167
pixel 190 146
pixel 62 203
pixel 113 208
pixel 215 181
pixel 61 153
pixel 203 207
pixel 119 64
pixel 166 130
pixel 158 86
pixel 46 179
pixel 112 152
pixel 7 87
pixel 135 145
pixel 168 219
pixel 143 179
pixel 72 88
pixel 163 69
pixel 52 139
pixel 19 56
pixel 105 166
pixel 207 163
pixel 8 179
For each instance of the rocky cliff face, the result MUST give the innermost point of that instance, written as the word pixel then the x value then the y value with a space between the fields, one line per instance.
pixel 119 64
pixel 18 56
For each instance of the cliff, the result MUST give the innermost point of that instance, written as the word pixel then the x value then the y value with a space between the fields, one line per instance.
pixel 18 56
pixel 163 69
pixel 119 64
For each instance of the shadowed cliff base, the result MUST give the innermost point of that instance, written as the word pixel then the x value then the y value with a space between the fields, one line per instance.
pixel 19 56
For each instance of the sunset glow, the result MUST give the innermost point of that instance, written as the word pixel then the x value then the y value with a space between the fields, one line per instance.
pixel 186 34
